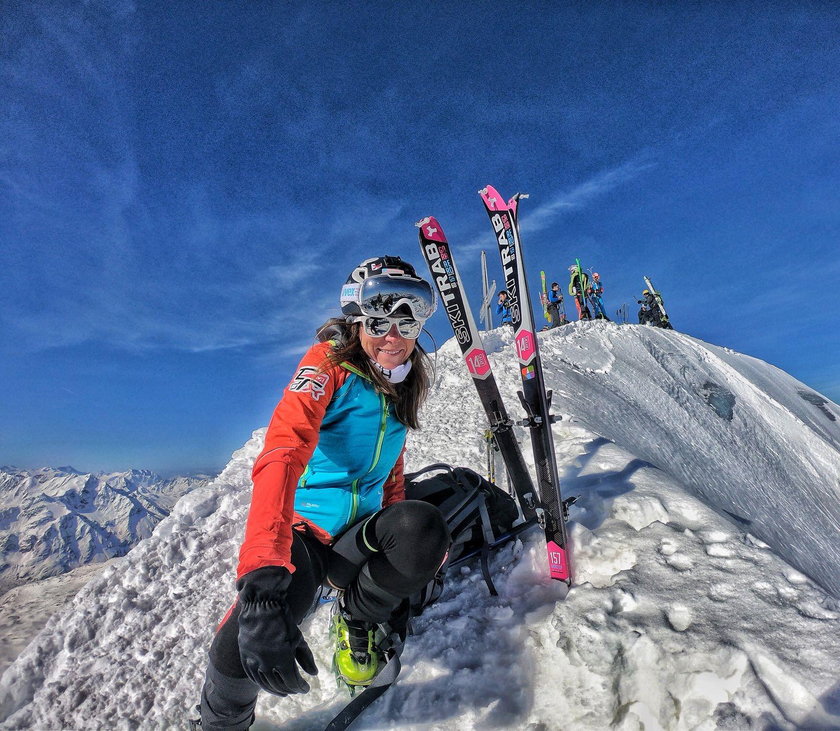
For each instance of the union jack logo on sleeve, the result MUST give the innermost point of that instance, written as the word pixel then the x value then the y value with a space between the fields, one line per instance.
pixel 310 380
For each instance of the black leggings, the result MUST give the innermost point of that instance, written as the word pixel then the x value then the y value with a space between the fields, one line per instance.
pixel 378 562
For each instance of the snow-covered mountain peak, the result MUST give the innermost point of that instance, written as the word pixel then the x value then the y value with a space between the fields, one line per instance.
pixel 707 510
pixel 53 520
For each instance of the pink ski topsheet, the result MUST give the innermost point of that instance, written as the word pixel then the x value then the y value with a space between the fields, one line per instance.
pixel 431 229
pixel 443 270
pixel 477 363
pixel 493 198
pixel 525 345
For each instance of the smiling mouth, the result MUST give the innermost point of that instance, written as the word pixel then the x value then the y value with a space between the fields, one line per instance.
pixel 391 352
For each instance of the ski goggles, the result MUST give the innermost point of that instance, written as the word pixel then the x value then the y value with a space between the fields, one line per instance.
pixel 379 327
pixel 382 295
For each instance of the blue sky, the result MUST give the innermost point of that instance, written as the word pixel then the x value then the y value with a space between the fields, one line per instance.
pixel 184 186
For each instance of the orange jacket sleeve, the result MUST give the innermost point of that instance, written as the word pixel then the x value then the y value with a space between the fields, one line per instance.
pixel 289 443
pixel 394 488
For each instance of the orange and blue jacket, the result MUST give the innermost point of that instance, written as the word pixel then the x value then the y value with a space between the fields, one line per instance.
pixel 333 454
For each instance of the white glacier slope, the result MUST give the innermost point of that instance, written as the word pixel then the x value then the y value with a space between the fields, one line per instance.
pixel 745 437
pixel 53 520
pixel 680 617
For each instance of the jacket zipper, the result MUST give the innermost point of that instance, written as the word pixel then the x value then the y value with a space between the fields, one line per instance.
pixel 382 427
pixel 354 501
pixel 383 422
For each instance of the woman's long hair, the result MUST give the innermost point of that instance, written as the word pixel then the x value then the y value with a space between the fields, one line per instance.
pixel 407 397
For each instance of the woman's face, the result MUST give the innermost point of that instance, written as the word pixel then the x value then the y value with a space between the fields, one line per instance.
pixel 390 350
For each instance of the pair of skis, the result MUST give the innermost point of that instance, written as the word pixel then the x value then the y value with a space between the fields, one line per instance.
pixel 544 298
pixel 581 296
pixel 546 504
pixel 666 322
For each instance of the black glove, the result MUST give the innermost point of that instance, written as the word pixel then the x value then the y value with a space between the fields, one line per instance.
pixel 270 643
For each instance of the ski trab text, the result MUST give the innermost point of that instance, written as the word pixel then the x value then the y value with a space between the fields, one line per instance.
pixel 504 233
pixel 446 280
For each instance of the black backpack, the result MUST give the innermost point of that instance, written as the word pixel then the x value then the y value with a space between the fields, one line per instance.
pixel 480 516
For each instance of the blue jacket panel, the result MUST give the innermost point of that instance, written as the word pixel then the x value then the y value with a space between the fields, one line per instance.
pixel 359 443
pixel 504 311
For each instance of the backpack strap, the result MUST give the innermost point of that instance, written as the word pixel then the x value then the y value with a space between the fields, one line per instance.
pixel 500 541
pixel 410 477
pixel 487 531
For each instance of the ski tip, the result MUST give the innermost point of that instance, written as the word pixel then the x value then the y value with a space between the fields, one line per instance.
pixel 431 229
pixel 493 200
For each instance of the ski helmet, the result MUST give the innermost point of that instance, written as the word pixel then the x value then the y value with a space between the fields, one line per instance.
pixel 595 275
pixel 645 291
pixel 555 284
pixel 381 286
pixel 573 268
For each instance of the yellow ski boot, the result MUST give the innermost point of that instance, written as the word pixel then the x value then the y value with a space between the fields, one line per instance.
pixel 356 659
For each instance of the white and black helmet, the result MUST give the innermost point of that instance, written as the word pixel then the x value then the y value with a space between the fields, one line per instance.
pixel 382 286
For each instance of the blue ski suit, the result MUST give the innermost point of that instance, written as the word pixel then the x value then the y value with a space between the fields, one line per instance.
pixel 503 310
pixel 596 290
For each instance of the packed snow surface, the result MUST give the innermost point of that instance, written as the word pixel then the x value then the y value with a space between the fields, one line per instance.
pixel 705 546
pixel 25 609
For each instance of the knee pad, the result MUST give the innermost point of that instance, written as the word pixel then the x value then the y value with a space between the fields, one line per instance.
pixel 410 520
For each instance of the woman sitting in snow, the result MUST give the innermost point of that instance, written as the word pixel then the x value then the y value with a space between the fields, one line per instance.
pixel 328 504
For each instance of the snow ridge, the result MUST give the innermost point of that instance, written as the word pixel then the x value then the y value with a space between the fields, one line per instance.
pixel 661 391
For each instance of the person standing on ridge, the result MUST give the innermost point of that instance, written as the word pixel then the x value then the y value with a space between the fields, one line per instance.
pixel 503 308
pixel 328 505
pixel 596 289
pixel 578 285
pixel 555 306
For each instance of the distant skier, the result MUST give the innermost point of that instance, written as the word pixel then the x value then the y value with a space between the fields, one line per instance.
pixel 658 306
pixel 578 285
pixel 646 314
pixel 556 309
pixel 651 312
pixel 328 504
pixel 503 308
pixel 596 289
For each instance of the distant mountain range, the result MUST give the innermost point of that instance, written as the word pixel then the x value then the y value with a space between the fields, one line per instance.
pixel 55 519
